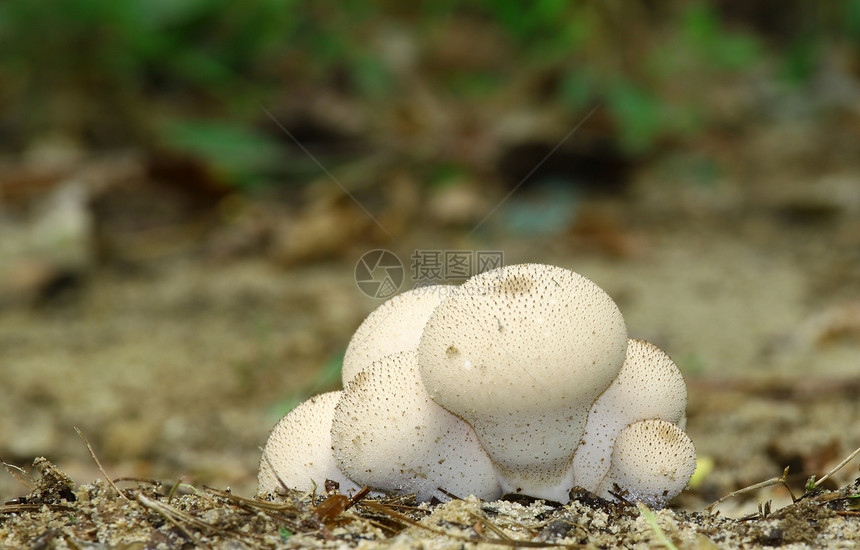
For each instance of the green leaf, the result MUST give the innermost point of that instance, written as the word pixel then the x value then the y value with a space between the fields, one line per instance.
pixel 577 89
pixel 236 151
pixel 638 114
pixel 703 32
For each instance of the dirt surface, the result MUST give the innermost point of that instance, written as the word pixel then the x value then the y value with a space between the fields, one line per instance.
pixel 175 368
pixel 59 515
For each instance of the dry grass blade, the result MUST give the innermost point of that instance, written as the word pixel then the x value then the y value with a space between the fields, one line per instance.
pixel 274 510
pixel 810 486
pixel 17 508
pixel 582 530
pixel 387 528
pixel 768 483
pixel 170 514
pixel 183 519
pixel 21 475
pixel 407 507
pixel 503 542
pixel 257 503
pixel 99 464
pixel 166 509
pixel 485 521
pixel 841 465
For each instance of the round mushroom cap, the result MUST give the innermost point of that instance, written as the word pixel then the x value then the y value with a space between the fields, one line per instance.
pixel 651 463
pixel 521 353
pixel 649 385
pixel 387 433
pixel 299 449
pixel 394 326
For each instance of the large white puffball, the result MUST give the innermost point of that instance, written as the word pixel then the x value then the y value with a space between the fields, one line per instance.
pixel 521 353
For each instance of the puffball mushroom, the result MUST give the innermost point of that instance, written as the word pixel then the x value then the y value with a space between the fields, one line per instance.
pixel 652 461
pixel 299 449
pixel 394 326
pixel 521 353
pixel 387 433
pixel 520 380
pixel 649 385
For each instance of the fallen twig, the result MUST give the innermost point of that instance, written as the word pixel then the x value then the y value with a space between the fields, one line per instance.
pixel 171 514
pixel 768 483
pixel 17 508
pixel 838 467
pixel 20 474
pixel 99 464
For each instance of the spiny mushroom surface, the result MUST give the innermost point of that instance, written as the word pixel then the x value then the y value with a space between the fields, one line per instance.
pixel 649 385
pixel 299 449
pixel 387 433
pixel 652 461
pixel 521 353
pixel 394 326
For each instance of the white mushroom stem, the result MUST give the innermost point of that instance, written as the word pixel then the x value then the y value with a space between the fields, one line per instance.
pixel 521 353
pixel 387 433
pixel 649 385
pixel 651 463
pixel 299 449
pixel 393 327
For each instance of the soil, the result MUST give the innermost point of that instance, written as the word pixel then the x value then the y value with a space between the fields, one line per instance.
pixel 149 515
pixel 175 368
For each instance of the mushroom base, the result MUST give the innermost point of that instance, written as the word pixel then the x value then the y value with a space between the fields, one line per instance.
pixel 555 489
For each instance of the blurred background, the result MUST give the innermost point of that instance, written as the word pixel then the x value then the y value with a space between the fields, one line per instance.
pixel 186 188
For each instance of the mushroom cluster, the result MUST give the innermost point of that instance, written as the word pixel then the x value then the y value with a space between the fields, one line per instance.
pixel 522 379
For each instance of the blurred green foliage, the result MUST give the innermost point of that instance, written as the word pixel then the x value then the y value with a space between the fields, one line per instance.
pixel 191 74
pixel 851 18
pixel 242 153
pixel 544 29
pixel 703 32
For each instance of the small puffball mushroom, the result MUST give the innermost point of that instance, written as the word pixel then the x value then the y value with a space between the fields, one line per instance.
pixel 651 463
pixel 649 385
pixel 387 433
pixel 521 353
pixel 299 449
pixel 394 326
